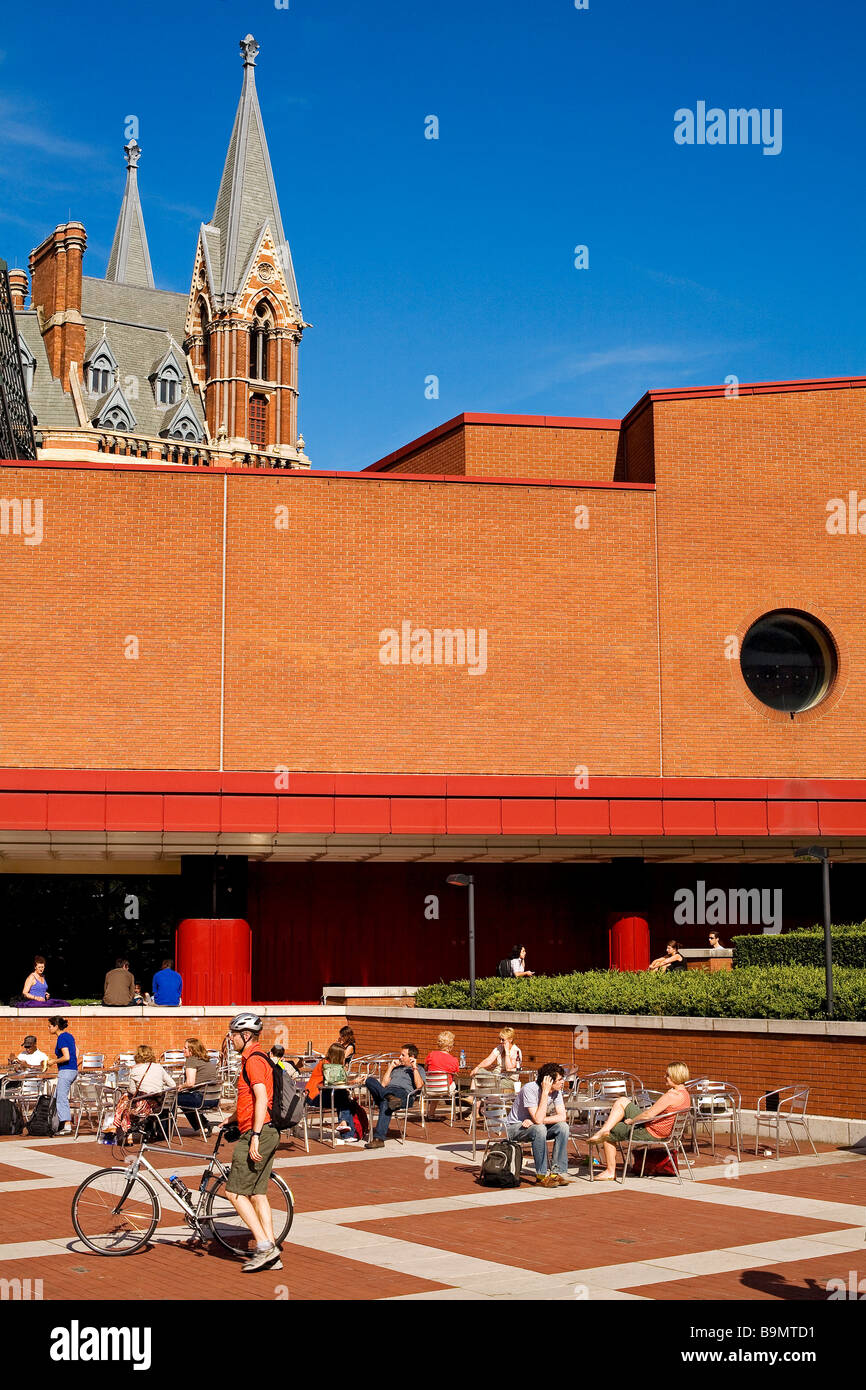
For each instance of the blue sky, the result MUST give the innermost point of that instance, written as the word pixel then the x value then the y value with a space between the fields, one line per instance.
pixel 454 257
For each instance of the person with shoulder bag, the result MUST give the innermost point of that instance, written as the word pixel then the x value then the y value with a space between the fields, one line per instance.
pixel 256 1139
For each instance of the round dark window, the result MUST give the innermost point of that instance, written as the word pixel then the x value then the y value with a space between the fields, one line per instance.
pixel 788 660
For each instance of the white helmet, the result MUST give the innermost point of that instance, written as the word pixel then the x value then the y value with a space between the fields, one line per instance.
pixel 246 1023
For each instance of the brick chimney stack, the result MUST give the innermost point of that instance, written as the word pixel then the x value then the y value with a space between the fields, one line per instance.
pixel 18 287
pixel 55 270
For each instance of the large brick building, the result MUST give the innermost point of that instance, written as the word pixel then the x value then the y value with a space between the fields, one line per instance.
pixel 596 661
pixel 118 368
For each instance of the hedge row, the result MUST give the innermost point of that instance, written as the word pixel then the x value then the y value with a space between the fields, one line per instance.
pixel 804 947
pixel 775 992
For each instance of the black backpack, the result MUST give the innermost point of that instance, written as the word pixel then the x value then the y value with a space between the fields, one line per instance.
pixel 43 1123
pixel 287 1109
pixel 503 970
pixel 502 1163
pixel 11 1119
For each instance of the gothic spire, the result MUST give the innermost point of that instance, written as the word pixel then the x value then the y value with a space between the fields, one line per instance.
pixel 247 198
pixel 129 262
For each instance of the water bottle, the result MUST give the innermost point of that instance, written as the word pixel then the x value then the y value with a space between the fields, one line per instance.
pixel 179 1188
pixel 462 1059
pixel 205 1178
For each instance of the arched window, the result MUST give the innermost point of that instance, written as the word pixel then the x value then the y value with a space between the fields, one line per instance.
pixel 258 421
pixel 101 375
pixel 263 322
pixel 204 320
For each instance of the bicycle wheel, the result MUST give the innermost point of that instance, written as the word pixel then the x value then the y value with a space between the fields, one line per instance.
pixel 114 1213
pixel 228 1228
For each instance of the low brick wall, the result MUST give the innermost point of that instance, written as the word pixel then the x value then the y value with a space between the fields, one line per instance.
pixel 755 1054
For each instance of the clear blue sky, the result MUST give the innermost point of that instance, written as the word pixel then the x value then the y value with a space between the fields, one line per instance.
pixel 455 257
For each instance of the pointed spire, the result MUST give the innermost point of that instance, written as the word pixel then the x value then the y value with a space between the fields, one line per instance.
pixel 129 262
pixel 247 198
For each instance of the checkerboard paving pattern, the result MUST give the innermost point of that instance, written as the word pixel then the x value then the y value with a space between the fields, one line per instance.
pixel 411 1222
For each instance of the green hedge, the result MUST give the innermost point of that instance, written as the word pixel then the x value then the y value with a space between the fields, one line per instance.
pixel 804 947
pixel 776 992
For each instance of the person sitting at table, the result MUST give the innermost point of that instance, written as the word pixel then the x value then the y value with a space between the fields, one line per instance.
pixel 441 1059
pixel 627 1117
pixel 330 1073
pixel 671 960
pixel 148 1077
pixel 199 1072
pixel 30 1059
pixel 403 1077
pixel 278 1056
pixel 505 1059
pixel 538 1115
pixel 346 1040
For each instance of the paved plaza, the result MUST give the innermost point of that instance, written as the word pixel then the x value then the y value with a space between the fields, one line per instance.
pixel 412 1222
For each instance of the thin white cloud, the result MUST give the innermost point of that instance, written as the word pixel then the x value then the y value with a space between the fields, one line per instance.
pixel 29 134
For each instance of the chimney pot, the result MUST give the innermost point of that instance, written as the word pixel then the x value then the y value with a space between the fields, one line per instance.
pixel 18 284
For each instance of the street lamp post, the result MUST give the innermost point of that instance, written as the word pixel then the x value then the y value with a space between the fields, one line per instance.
pixel 818 852
pixel 467 881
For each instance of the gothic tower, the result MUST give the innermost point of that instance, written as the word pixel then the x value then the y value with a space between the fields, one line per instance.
pixel 244 320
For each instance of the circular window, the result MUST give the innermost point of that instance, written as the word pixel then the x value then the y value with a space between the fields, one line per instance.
pixel 788 660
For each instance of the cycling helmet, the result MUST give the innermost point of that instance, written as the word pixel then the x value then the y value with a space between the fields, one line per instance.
pixel 246 1023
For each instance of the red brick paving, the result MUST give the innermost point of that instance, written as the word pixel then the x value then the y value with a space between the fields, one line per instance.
pixel 566 1233
pixel 174 1272
pixel 10 1174
pixel 843 1182
pixel 793 1281
pixel 351 1184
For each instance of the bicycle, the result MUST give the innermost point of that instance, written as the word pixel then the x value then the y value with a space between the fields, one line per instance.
pixel 115 1211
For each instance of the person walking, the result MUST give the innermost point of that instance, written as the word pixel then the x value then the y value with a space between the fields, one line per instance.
pixel 255 1140
pixel 67 1070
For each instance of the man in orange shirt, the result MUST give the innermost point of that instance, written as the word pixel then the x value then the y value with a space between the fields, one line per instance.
pixel 253 1157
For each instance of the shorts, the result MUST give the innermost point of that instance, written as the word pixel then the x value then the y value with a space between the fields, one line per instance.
pixel 621 1131
pixel 248 1179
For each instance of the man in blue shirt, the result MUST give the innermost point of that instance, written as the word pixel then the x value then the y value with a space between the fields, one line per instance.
pixel 167 985
pixel 401 1080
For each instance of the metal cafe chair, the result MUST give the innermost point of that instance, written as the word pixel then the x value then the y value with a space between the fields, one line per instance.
pixel 85 1099
pixel 715 1103
pixel 440 1086
pixel 791 1106
pixel 92 1061
pixel 210 1100
pixel 166 1117
pixel 672 1145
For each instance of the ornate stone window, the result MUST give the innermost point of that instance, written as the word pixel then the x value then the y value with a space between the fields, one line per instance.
pixel 262 327
pixel 258 421
pixel 185 425
pixel 101 369
pixel 116 414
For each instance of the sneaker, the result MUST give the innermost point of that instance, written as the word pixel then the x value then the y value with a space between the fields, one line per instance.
pixel 559 1180
pixel 545 1180
pixel 263 1259
pixel 65 1129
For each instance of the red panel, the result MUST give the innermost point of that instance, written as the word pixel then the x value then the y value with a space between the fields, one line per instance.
pixel 310 783
pixel 614 787
pixel 133 812
pixel 521 817
pixel 689 817
pixel 362 815
pixel 636 818
pixel 629 941
pixel 415 815
pixel 842 817
pixel 792 817
pixel 23 810
pixel 584 817
pixel 252 783
pixel 71 812
pixel 193 813
pixel 50 779
pixel 501 786
pixel 825 788
pixel 162 781
pixel 741 818
pixel 702 788
pixel 402 784
pixel 256 814
pixel 474 816
pixel 214 957
pixel 306 815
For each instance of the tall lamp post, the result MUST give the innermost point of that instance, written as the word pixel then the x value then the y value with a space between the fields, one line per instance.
pixel 823 855
pixel 467 881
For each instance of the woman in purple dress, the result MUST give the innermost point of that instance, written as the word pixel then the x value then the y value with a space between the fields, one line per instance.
pixel 35 990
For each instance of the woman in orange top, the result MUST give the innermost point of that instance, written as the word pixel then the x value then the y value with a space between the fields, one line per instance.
pixel 627 1118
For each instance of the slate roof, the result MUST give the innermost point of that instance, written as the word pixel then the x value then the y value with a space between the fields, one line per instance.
pixel 247 199
pixel 138 321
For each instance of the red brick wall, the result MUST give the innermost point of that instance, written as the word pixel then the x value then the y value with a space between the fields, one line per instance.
pixel 447 454
pixel 835 1069
pixel 542 451
pixel 742 490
